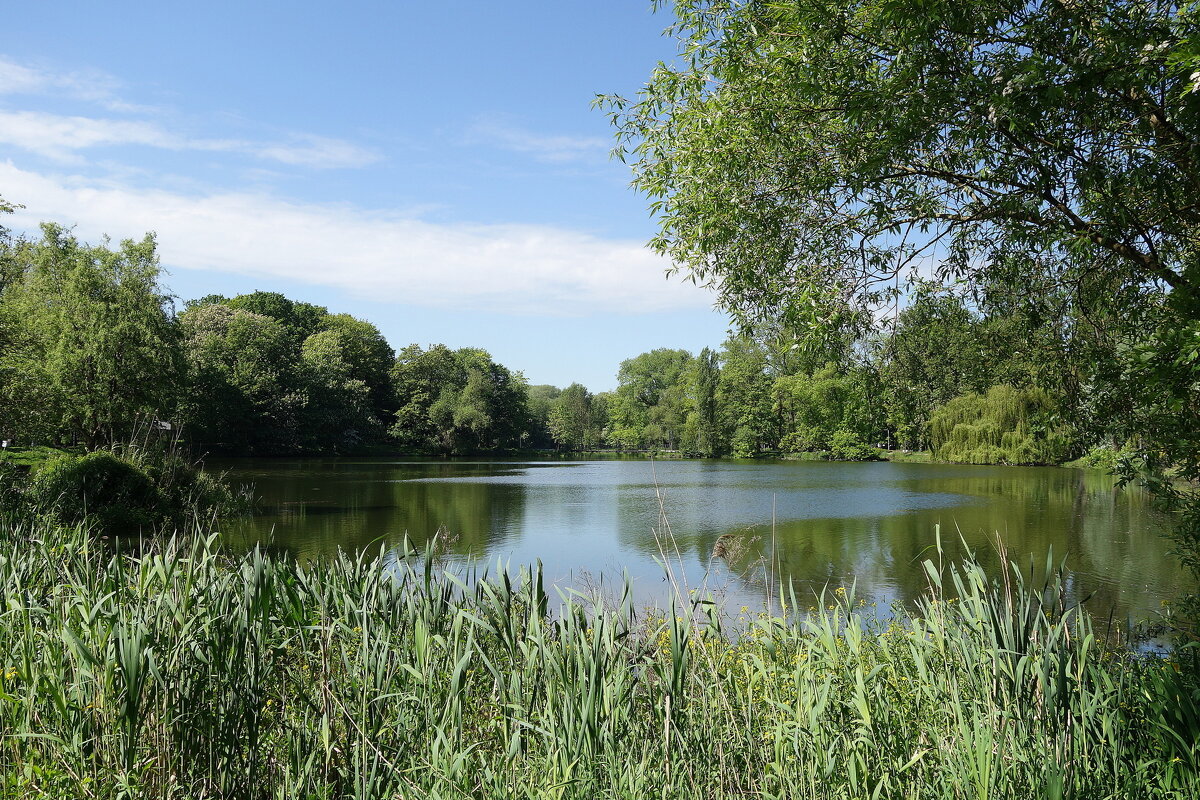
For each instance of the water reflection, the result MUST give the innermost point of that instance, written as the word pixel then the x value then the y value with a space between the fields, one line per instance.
pixel 871 524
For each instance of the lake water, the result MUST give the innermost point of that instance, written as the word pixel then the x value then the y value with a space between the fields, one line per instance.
pixel 817 524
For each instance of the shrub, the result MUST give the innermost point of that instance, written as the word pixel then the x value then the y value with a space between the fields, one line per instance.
pixel 805 439
pixel 847 446
pixel 127 491
pixel 1101 457
pixel 99 486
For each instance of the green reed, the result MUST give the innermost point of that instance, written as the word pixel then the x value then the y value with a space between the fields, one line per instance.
pixel 188 673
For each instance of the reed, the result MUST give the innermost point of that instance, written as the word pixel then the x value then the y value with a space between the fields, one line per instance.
pixel 189 673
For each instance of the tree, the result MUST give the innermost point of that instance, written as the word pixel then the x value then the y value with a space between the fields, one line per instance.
pixel 457 401
pixel 244 390
pixel 1005 426
pixel 648 406
pixel 706 378
pixel 806 155
pixel 744 398
pixel 93 345
pixel 808 150
pixel 339 410
pixel 814 409
pixel 540 401
pixel 368 356
pixel 571 421
pixel 934 353
pixel 300 320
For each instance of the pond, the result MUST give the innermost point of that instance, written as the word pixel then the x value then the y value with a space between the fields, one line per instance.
pixel 812 523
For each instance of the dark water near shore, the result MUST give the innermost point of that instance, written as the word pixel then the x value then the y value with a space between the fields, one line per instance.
pixel 587 521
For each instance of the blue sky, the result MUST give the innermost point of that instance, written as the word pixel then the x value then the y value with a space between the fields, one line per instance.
pixel 435 168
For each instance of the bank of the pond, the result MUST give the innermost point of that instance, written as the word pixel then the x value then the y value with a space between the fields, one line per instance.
pixel 187 674
pixel 33 455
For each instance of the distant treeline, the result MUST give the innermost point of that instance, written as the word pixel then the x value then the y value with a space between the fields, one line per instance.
pixel 92 346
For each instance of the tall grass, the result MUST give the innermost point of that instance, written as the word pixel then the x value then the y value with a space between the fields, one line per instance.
pixel 184 673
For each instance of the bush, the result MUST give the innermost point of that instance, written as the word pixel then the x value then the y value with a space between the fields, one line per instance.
pixel 98 486
pixel 1100 457
pixel 847 446
pixel 126 492
pixel 805 439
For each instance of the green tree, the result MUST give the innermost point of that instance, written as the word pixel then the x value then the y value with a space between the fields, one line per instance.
pixel 803 156
pixel 934 353
pixel 367 354
pixel 245 393
pixel 706 379
pixel 540 400
pixel 809 150
pixel 1005 426
pixel 647 409
pixel 300 320
pixel 339 410
pixel 816 409
pixel 93 342
pixel 571 420
pixel 457 401
pixel 744 398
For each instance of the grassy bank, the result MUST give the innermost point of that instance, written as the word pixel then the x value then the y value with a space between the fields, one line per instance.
pixel 183 674
pixel 902 456
pixel 34 455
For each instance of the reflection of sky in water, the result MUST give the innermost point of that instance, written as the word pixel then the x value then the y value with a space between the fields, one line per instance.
pixel 868 524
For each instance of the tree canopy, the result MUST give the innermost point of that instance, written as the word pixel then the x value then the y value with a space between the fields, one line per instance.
pixel 812 160
pixel 806 151
pixel 90 344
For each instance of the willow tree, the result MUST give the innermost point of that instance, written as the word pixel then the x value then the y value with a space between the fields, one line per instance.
pixel 804 157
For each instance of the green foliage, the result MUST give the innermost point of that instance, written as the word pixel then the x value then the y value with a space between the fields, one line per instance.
pixel 814 408
pixel 1101 457
pixel 1005 426
pixel 540 401
pixel 98 487
pixel 935 353
pixel 706 382
pixel 798 152
pixel 182 673
pixel 367 357
pixel 457 401
pixel 574 421
pixel 744 397
pixel 845 445
pixel 1040 158
pixel 649 408
pixel 124 491
pixel 338 411
pixel 286 377
pixel 88 345
pixel 245 391
pixel 1158 398
pixel 300 320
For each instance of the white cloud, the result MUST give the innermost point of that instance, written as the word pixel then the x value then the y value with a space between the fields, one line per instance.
pixel 59 137
pixel 92 85
pixel 554 148
pixel 17 78
pixel 306 150
pixel 383 255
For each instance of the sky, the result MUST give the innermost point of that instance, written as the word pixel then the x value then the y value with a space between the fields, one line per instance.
pixel 434 168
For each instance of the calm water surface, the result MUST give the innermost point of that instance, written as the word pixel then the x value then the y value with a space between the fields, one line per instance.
pixel 869 524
